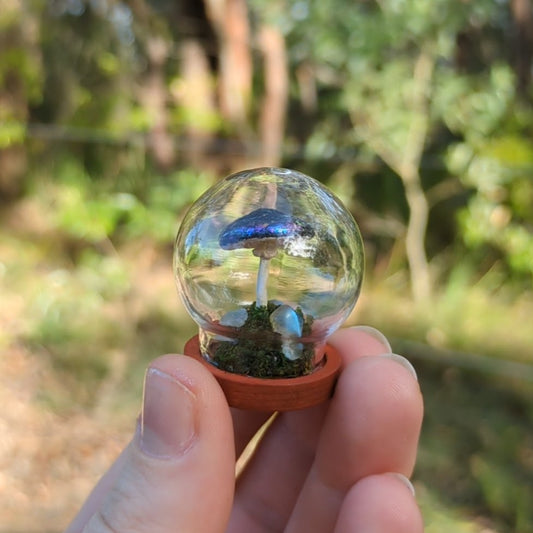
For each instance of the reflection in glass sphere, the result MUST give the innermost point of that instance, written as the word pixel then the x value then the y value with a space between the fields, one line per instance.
pixel 269 263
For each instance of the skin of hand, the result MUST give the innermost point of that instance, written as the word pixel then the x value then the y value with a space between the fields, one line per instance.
pixel 339 467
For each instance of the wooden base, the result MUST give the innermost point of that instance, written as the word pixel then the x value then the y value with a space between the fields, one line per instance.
pixel 276 394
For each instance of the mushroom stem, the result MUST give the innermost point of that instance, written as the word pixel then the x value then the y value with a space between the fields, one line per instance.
pixel 261 286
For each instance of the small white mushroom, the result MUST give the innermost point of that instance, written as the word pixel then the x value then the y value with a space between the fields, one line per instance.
pixel 235 318
pixel 288 324
pixel 292 350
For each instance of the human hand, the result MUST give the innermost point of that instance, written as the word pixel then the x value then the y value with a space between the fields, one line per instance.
pixel 337 467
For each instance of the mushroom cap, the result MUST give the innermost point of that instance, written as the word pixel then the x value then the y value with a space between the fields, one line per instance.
pixel 286 322
pixel 264 230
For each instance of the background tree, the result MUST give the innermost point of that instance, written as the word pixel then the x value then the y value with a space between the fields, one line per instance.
pixel 385 63
pixel 20 87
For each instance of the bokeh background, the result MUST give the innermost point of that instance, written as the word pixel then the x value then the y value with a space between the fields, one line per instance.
pixel 116 114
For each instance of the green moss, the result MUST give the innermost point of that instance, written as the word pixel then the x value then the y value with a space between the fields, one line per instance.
pixel 259 350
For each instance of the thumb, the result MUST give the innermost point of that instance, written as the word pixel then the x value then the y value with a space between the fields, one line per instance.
pixel 178 472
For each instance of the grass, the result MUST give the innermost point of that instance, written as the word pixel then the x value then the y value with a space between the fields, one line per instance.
pixel 472 351
pixel 477 444
pixel 78 330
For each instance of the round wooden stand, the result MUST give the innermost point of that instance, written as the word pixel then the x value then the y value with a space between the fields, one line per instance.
pixel 277 394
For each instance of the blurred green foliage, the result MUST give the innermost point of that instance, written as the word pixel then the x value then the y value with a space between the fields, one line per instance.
pixel 486 427
pixel 95 213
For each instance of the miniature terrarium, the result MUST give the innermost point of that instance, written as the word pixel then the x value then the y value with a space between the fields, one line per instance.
pixel 269 263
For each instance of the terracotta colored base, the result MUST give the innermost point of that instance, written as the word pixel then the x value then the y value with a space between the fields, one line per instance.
pixel 278 394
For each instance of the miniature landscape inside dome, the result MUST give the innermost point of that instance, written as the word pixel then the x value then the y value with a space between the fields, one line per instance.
pixel 268 263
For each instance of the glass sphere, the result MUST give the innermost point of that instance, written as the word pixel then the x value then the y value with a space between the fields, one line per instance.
pixel 268 263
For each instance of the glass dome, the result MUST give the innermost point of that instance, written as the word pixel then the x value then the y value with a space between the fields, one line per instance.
pixel 269 263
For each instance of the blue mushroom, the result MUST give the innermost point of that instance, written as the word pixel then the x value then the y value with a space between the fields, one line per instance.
pixel 264 231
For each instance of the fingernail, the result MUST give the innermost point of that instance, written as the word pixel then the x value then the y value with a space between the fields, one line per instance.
pixel 376 334
pixel 402 361
pixel 168 425
pixel 405 481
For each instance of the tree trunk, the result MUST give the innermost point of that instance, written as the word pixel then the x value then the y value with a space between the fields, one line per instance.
pixel 406 164
pixel 153 93
pixel 408 170
pixel 522 13
pixel 416 235
pixel 274 104
pixel 17 38
pixel 154 99
pixel 230 19
pixel 196 98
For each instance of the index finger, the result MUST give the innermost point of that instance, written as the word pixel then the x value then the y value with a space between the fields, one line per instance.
pixel 270 484
pixel 372 427
pixel 352 343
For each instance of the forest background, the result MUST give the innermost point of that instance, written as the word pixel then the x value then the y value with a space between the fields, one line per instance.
pixel 115 115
